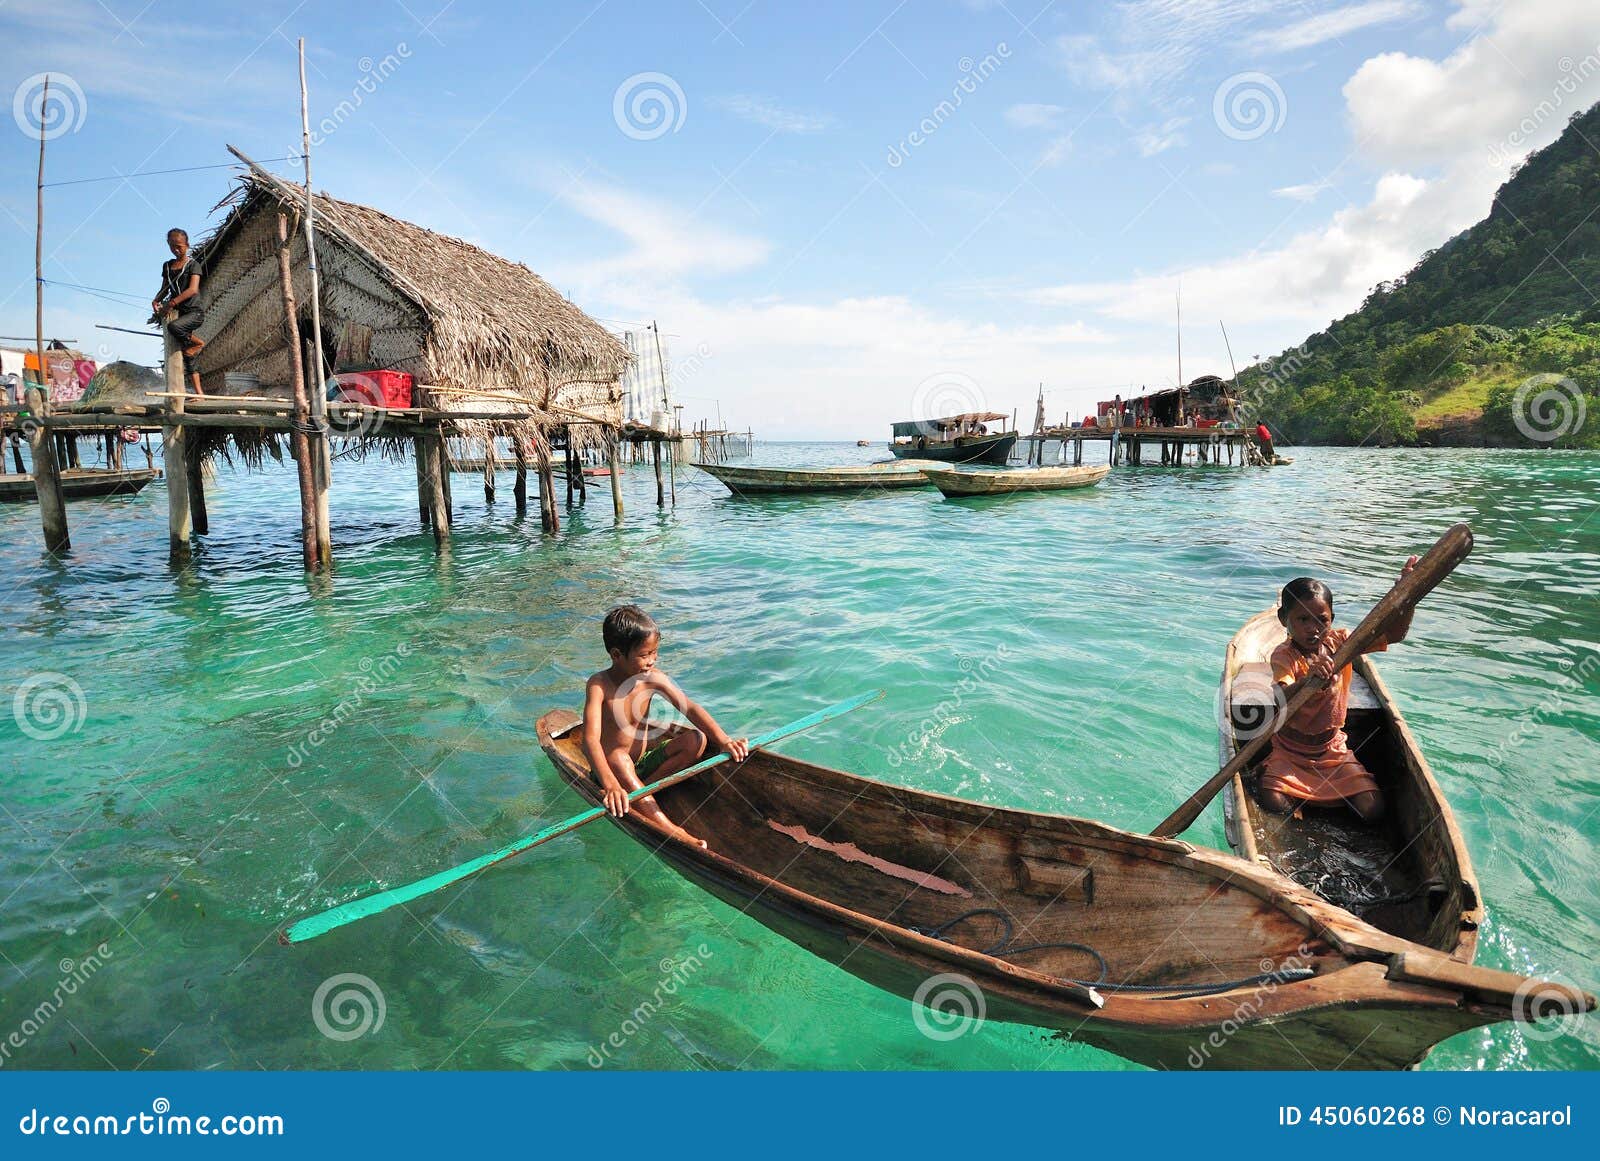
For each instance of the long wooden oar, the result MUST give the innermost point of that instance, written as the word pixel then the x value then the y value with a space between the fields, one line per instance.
pixel 315 925
pixel 1450 550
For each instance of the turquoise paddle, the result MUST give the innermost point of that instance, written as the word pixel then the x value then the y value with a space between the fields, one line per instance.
pixel 315 925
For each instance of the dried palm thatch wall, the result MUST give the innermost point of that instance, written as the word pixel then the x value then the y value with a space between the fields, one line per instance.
pixel 398 296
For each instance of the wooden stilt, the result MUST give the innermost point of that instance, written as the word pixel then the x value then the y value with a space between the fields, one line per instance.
pixel 299 444
pixel 613 447
pixel 436 468
pixel 577 465
pixel 16 453
pixel 488 469
pixel 174 460
pixel 549 520
pixel 569 468
pixel 197 490
pixel 46 479
pixel 661 493
pixel 519 490
pixel 419 452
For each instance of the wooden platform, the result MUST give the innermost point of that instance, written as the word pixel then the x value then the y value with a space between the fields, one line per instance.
pixel 1209 445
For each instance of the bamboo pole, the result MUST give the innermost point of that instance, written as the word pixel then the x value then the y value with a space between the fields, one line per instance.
pixel 298 443
pixel 323 460
pixel 46 479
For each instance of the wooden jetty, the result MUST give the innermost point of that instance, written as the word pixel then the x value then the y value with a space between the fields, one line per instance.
pixel 1196 424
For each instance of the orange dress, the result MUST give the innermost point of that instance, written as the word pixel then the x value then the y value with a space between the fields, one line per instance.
pixel 1311 757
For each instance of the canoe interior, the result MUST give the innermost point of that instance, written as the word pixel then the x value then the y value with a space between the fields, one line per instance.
pixel 922 861
pixel 1408 874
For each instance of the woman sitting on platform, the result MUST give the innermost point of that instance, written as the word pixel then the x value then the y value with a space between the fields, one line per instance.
pixel 177 303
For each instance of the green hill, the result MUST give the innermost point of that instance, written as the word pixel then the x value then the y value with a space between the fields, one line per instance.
pixel 1441 353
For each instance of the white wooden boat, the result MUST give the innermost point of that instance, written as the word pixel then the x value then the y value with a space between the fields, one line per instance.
pixel 1005 481
pixel 855 478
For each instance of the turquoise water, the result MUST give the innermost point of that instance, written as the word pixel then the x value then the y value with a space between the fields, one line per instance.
pixel 190 804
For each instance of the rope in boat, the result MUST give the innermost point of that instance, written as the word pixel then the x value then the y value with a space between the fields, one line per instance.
pixel 1003 949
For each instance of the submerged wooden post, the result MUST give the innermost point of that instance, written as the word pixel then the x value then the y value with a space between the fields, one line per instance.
pixel 577 466
pixel 548 519
pixel 299 444
pixel 614 448
pixel 46 479
pixel 661 492
pixel 194 465
pixel 567 466
pixel 519 490
pixel 174 458
pixel 488 468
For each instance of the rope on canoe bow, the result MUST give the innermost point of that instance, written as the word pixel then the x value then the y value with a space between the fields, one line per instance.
pixel 1004 949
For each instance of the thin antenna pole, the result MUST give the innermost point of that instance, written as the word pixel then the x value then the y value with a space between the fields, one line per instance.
pixel 318 402
pixel 1230 349
pixel 1180 334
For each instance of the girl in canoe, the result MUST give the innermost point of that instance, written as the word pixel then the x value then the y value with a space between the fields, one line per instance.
pixel 616 710
pixel 1311 760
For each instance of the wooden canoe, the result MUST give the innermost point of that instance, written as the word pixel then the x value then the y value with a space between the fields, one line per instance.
pixel 743 481
pixel 1410 874
pixel 1164 953
pixel 81 483
pixel 1010 481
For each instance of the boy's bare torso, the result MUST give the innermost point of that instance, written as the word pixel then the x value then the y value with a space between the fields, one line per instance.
pixel 625 710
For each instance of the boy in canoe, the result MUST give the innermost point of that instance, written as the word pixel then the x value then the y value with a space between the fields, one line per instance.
pixel 616 708
pixel 1311 760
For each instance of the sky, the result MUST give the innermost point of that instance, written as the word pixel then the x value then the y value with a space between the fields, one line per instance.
pixel 840 214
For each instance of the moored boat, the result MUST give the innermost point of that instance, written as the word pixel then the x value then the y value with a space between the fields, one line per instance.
pixel 81 483
pixel 1409 874
pixel 955 439
pixel 970 481
pixel 1167 954
pixel 743 480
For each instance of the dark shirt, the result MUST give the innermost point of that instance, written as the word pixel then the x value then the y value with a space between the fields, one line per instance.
pixel 175 282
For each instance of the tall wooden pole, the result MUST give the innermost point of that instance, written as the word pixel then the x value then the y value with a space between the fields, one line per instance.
pixel 175 457
pixel 614 450
pixel 46 480
pixel 302 409
pixel 319 405
pixel 519 490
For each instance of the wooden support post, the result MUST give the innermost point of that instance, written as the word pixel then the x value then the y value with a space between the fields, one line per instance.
pixel 549 520
pixel 488 469
pixel 661 492
pixel 174 458
pixel 436 467
pixel 299 444
pixel 614 443
pixel 519 490
pixel 567 465
pixel 16 453
pixel 197 489
pixel 419 452
pixel 46 479
pixel 672 467
pixel 577 465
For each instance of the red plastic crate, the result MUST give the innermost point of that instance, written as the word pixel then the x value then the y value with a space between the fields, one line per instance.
pixel 375 388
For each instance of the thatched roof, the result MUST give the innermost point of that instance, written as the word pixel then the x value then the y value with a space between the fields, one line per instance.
pixel 491 323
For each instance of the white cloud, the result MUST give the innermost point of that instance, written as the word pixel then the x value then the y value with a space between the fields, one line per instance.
pixel 1413 110
pixel 1331 25
pixel 767 113
pixel 1154 139
pixel 664 243
pixel 1029 116
pixel 1302 193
